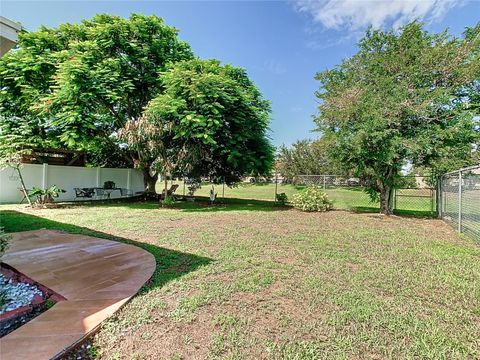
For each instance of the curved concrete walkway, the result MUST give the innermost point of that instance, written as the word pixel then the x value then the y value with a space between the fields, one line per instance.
pixel 96 277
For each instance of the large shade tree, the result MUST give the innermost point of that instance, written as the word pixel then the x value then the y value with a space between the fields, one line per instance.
pixel 210 121
pixel 77 85
pixel 306 157
pixel 405 97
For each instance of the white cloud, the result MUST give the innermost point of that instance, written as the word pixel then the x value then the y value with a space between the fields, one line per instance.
pixel 358 14
pixel 274 67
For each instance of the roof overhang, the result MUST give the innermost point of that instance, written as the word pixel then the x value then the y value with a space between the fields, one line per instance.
pixel 8 34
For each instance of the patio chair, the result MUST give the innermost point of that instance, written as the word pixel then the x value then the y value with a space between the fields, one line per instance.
pixel 100 193
pixel 170 192
pixel 125 192
pixel 84 193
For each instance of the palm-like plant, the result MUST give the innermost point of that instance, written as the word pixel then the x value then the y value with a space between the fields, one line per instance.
pixel 46 196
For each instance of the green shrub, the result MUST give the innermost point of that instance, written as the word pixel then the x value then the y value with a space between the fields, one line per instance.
pixel 169 201
pixel 4 239
pixel 311 199
pixel 282 199
pixel 45 196
pixel 109 185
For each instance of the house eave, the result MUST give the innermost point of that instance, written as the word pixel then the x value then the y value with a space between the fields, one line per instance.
pixel 8 34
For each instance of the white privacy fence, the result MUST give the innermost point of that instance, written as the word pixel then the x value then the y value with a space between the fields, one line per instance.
pixel 67 178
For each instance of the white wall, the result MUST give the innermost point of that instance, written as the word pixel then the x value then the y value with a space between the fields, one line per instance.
pixel 67 178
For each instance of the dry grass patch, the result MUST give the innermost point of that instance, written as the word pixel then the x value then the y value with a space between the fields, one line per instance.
pixel 248 283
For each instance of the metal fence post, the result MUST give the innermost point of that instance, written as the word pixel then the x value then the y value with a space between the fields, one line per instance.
pixel 324 183
pixel 438 199
pixel 276 187
pixel 460 201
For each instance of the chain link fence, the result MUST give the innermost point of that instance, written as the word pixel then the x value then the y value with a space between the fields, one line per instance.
pixel 414 195
pixel 460 200
pixel 344 192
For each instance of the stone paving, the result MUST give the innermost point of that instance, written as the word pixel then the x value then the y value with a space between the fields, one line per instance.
pixel 96 277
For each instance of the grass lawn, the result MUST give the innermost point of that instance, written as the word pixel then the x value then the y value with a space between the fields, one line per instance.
pixel 342 197
pixel 251 281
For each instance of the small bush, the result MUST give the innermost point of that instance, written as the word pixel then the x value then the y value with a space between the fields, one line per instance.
pixel 45 196
pixel 109 185
pixel 4 239
pixel 312 199
pixel 167 202
pixel 282 199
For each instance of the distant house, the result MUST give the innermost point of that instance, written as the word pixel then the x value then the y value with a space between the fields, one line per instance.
pixel 8 34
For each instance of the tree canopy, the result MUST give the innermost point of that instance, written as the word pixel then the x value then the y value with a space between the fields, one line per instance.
pixel 79 85
pixel 306 157
pixel 407 96
pixel 210 121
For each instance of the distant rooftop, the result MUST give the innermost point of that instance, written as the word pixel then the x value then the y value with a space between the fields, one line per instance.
pixel 8 34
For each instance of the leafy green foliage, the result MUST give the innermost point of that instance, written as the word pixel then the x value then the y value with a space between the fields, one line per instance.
pixel 80 86
pixel 281 198
pixel 76 85
pixel 312 199
pixel 45 196
pixel 211 121
pixel 193 186
pixel 306 157
pixel 401 100
pixel 4 240
pixel 109 185
pixel 168 201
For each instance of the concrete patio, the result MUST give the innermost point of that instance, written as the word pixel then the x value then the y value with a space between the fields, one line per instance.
pixel 96 276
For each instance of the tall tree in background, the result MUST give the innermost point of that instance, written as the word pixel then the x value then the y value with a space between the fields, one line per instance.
pixel 210 121
pixel 399 100
pixel 77 85
pixel 306 157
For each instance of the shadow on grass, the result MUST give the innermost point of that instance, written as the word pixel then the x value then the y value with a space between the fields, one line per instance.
pixel 201 204
pixel 171 264
pixel 415 213
pixel 365 209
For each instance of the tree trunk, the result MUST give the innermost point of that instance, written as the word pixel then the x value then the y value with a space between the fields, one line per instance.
pixel 165 189
pixel 386 197
pixel 24 189
pixel 149 181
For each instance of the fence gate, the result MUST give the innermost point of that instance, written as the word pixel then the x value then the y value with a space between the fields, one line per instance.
pixel 415 196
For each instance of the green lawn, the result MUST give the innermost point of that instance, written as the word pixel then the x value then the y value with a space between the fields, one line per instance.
pixel 247 280
pixel 342 197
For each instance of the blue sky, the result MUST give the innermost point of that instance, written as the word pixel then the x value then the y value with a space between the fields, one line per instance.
pixel 281 44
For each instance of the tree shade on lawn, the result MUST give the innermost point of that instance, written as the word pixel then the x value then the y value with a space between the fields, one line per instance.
pixel 248 281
